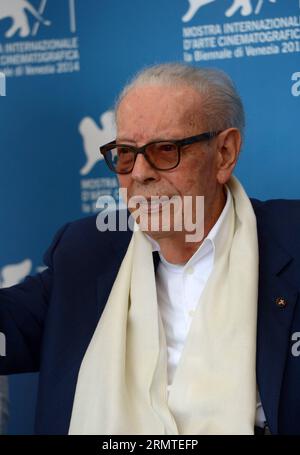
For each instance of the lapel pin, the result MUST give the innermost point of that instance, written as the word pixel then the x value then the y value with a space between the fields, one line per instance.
pixel 281 302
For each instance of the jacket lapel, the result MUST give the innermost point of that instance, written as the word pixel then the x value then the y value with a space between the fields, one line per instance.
pixel 276 302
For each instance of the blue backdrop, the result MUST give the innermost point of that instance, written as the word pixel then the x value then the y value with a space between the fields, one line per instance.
pixel 66 60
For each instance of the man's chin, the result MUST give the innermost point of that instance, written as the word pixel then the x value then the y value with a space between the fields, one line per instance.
pixel 159 232
pixel 155 223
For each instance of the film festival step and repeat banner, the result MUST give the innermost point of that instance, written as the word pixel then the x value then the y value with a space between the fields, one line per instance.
pixel 62 63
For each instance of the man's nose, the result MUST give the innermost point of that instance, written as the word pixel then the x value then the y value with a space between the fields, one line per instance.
pixel 143 171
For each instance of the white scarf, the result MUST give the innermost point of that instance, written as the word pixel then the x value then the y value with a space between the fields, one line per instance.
pixel 122 382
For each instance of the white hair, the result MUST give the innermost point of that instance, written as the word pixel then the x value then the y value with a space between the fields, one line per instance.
pixel 221 105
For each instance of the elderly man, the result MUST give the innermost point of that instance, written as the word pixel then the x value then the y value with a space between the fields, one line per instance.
pixel 163 331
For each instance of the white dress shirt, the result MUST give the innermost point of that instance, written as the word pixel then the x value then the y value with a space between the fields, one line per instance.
pixel 179 288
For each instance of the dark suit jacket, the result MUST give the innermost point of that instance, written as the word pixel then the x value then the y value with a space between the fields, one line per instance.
pixel 50 318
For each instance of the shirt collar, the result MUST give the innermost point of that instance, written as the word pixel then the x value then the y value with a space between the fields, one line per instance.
pixel 215 238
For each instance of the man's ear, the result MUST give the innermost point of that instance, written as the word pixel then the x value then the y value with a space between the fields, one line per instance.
pixel 228 148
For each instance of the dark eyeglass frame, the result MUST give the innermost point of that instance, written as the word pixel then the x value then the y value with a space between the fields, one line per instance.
pixel 142 150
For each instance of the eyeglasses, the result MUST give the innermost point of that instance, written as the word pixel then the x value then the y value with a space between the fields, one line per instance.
pixel 161 155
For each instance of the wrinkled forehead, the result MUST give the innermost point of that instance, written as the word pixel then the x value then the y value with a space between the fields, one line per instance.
pixel 159 108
